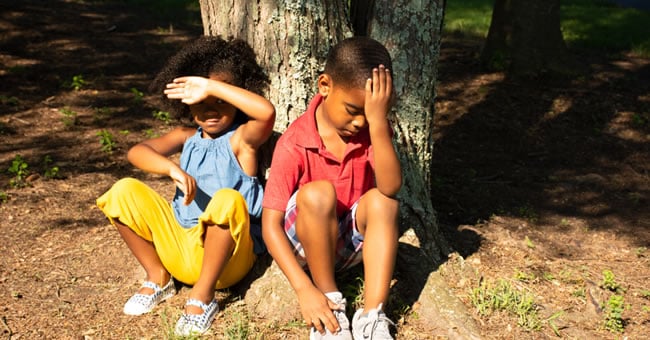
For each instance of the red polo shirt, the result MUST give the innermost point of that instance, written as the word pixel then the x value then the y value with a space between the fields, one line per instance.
pixel 300 157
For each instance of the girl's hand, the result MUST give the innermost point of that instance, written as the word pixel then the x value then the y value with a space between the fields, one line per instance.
pixel 184 182
pixel 190 90
pixel 379 95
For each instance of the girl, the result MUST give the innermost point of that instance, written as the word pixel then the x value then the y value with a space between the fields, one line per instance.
pixel 203 237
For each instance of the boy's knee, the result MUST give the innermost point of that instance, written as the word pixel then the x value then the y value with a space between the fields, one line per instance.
pixel 376 201
pixel 317 194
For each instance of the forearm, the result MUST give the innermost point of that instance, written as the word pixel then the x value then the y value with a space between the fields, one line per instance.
pixel 389 176
pixel 280 249
pixel 146 158
pixel 253 105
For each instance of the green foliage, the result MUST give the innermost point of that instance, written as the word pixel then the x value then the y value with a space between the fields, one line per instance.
pixel 69 116
pixel 502 296
pixel 107 141
pixel 150 133
pixel 137 95
pixel 584 23
pixel 609 282
pixel 524 277
pixel 9 100
pixel 529 243
pixel 162 116
pixel 4 197
pixel 77 82
pixel 614 314
pixel 239 329
pixel 51 172
pixel 102 113
pixel 20 170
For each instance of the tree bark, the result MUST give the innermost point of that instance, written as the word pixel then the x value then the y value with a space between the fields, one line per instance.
pixel 292 40
pixel 525 39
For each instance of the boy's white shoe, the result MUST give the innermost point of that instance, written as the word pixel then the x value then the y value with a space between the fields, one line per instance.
pixel 373 325
pixel 344 323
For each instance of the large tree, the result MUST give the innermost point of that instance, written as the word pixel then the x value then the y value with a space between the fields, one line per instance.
pixel 292 39
pixel 525 38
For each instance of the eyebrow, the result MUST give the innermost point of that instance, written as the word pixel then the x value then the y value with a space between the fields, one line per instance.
pixel 352 106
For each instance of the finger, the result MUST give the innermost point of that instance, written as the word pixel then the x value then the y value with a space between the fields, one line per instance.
pixel 330 320
pixel 318 326
pixel 375 81
pixel 382 80
pixel 389 83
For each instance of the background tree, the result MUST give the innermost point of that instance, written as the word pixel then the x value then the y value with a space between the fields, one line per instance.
pixel 292 39
pixel 525 38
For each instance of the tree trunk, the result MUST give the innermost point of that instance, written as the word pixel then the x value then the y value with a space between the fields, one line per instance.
pixel 292 40
pixel 525 39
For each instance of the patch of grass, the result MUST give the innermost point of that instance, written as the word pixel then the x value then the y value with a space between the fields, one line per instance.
pixel 584 23
pixel 20 170
pixel 76 83
pixel 107 141
pixel 69 116
pixel 162 116
pixel 150 133
pixel 502 296
pixel 524 277
pixel 51 172
pixel 239 329
pixel 9 100
pixel 613 310
pixel 102 113
pixel 529 243
pixel 4 197
pixel 137 95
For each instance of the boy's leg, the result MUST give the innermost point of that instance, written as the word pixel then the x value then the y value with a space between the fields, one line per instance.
pixel 376 218
pixel 317 230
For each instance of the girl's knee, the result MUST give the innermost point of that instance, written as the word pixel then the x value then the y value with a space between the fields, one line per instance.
pixel 126 184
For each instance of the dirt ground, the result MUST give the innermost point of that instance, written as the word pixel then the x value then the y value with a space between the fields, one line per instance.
pixel 541 183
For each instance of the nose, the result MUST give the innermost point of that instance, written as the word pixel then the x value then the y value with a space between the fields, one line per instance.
pixel 359 122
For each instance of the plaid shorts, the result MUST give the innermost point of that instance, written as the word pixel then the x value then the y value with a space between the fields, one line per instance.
pixel 350 241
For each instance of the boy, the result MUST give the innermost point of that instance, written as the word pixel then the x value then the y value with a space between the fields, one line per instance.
pixel 323 201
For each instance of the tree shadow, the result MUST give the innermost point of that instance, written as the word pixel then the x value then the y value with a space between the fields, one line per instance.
pixel 541 148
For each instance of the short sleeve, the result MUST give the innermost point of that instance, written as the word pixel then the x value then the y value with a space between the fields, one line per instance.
pixel 287 166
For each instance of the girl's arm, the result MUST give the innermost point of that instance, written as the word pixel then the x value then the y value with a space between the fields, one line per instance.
pixel 261 112
pixel 152 156
pixel 379 91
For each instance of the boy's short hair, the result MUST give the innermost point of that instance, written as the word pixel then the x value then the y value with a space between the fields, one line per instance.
pixel 350 62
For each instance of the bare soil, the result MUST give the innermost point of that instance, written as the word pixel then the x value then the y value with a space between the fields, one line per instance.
pixel 543 183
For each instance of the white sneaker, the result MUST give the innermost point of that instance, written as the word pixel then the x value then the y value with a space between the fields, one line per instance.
pixel 373 325
pixel 143 303
pixel 344 323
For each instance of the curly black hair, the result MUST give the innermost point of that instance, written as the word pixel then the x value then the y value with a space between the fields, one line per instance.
pixel 206 56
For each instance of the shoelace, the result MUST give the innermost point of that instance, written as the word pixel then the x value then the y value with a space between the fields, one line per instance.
pixel 375 323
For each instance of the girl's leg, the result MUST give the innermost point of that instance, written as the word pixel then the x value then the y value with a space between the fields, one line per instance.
pixel 226 250
pixel 317 230
pixel 138 212
pixel 377 221
pixel 218 247
pixel 145 253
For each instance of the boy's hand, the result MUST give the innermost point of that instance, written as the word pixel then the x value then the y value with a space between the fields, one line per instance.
pixel 190 90
pixel 316 309
pixel 379 95
pixel 184 182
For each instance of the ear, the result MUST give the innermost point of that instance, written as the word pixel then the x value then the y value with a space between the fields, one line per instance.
pixel 324 85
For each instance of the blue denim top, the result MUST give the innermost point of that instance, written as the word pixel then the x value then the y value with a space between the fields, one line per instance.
pixel 214 166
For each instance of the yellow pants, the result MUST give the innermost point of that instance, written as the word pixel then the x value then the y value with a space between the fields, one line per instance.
pixel 150 216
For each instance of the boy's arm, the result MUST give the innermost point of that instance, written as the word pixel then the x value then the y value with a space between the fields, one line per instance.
pixel 152 156
pixel 379 93
pixel 314 305
pixel 192 90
